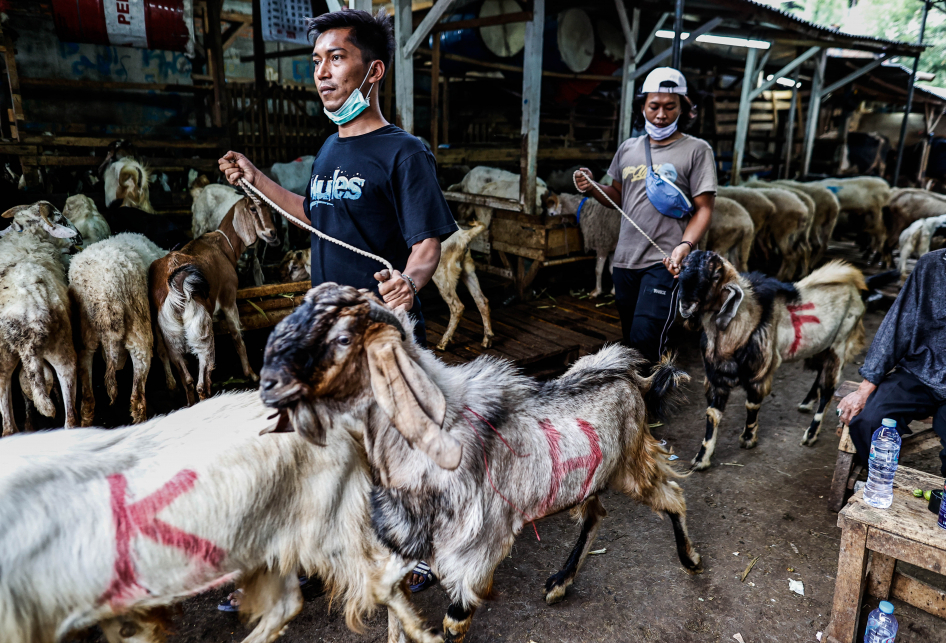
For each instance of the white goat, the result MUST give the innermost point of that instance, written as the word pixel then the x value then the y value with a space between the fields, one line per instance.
pixel 106 526
pixel 915 240
pixel 128 183
pixel 35 322
pixel 83 214
pixel 109 282
pixel 456 262
pixel 210 206
pixel 490 181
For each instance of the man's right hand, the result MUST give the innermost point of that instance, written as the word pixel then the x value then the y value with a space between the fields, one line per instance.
pixel 581 179
pixel 235 166
pixel 854 402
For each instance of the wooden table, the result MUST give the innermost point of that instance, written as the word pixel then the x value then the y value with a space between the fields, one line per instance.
pixel 905 531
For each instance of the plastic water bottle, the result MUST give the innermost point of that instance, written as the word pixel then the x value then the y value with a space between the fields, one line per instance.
pixel 884 454
pixel 881 625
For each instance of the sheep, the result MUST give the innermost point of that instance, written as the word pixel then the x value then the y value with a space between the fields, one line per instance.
pixel 127 183
pixel 787 230
pixel 210 206
pixel 600 229
pixel 801 234
pixel 752 323
pixel 731 232
pixel 295 175
pixel 907 205
pixel 456 262
pixel 35 326
pixel 296 265
pixel 83 214
pixel 478 181
pixel 827 208
pixel 111 526
pixel 187 286
pixel 760 209
pixel 109 283
pixel 915 240
pixel 863 197
pixel 464 456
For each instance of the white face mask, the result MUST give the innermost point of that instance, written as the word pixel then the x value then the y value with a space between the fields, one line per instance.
pixel 660 133
pixel 354 105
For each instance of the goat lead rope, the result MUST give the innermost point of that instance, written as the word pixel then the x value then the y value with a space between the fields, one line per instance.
pixel 618 208
pixel 489 475
pixel 250 189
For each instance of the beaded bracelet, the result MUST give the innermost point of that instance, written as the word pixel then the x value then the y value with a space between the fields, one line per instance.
pixel 689 243
pixel 410 281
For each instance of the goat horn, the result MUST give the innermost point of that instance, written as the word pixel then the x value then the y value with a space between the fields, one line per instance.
pixel 380 314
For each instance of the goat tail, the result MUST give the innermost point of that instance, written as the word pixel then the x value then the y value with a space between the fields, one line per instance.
pixel 40 383
pixel 834 272
pixel 664 389
pixel 185 283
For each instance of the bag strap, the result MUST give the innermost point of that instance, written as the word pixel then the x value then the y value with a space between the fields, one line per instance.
pixel 650 163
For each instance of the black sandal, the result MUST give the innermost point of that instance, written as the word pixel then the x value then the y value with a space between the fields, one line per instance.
pixel 423 570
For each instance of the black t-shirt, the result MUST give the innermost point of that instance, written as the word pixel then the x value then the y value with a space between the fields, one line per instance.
pixel 378 192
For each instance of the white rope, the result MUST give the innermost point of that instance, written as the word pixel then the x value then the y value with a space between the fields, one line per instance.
pixel 250 189
pixel 616 207
pixel 229 243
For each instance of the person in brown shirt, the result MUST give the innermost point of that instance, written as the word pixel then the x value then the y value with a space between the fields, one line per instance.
pixel 645 280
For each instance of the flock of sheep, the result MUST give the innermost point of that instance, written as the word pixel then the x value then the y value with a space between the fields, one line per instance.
pixel 361 453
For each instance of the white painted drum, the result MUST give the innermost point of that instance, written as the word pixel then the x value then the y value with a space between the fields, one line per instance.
pixel 612 39
pixel 504 41
pixel 576 39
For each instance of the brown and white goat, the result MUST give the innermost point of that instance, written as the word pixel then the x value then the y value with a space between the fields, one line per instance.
pixel 128 183
pixel 464 456
pixel 35 314
pixel 296 265
pixel 752 323
pixel 456 263
pixel 136 519
pixel 187 286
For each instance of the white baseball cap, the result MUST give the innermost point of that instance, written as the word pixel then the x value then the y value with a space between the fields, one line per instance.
pixel 664 79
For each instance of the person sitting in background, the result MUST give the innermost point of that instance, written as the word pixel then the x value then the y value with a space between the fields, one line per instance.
pixel 905 368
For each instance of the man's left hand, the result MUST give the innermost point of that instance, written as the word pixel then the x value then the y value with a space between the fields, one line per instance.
pixel 394 289
pixel 675 262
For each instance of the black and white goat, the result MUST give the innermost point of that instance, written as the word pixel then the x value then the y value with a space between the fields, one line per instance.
pixel 464 456
pixel 752 323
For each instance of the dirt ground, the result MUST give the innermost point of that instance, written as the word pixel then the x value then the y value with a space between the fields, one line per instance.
pixel 768 502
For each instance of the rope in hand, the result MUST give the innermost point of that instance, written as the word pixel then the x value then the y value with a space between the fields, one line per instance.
pixel 250 190
pixel 616 207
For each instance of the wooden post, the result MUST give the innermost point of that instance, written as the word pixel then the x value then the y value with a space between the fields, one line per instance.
pixel 626 111
pixel 215 54
pixel 259 48
pixel 745 113
pixel 445 139
pixel 364 5
pixel 790 126
pixel 403 66
pixel 814 107
pixel 531 101
pixel 435 94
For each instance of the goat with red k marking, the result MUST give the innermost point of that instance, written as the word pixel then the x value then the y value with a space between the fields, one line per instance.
pixel 752 323
pixel 448 490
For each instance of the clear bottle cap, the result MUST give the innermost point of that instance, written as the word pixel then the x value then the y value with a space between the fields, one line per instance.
pixel 889 423
pixel 886 607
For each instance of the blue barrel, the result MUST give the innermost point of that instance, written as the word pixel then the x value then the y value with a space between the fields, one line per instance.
pixel 462 42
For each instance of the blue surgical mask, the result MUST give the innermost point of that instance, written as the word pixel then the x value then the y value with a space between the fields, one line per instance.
pixel 352 107
pixel 660 133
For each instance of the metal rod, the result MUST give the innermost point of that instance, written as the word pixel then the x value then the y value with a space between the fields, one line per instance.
pixel 677 31
pixel 790 133
pixel 745 116
pixel 906 113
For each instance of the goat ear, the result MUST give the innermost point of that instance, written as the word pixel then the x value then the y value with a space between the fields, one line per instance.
pixel 730 306
pixel 243 221
pixel 10 213
pixel 408 396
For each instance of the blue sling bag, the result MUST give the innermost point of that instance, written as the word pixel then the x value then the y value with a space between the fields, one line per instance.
pixel 664 195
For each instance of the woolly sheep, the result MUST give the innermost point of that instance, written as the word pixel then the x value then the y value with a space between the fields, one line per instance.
pixel 863 198
pixel 731 232
pixel 907 205
pixel 83 214
pixel 915 240
pixel 600 228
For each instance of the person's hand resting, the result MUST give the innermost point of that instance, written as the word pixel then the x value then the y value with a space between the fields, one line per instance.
pixel 235 166
pixel 854 402
pixel 581 179
pixel 675 263
pixel 395 290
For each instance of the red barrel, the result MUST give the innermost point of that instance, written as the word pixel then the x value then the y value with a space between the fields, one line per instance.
pixel 147 24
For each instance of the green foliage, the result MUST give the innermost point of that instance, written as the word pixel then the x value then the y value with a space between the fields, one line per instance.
pixel 889 19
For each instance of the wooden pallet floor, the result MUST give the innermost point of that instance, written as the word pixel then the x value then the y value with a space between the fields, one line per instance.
pixel 542 336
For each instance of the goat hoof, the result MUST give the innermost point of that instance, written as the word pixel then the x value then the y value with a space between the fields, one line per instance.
pixel 697 567
pixel 555 588
pixel 748 444
pixel 487 342
pixel 806 407
pixel 808 442
pixel 442 346
pixel 702 465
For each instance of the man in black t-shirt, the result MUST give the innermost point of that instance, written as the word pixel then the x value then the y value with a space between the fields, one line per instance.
pixel 373 185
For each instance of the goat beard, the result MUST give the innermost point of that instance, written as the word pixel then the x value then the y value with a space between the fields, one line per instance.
pixel 305 420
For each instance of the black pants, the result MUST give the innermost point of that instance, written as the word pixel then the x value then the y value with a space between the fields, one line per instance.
pixel 901 397
pixel 646 301
pixel 416 313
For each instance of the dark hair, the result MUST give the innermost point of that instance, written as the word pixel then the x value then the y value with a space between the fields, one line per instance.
pixel 373 35
pixel 686 111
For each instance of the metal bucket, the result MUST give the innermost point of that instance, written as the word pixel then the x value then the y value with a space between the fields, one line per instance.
pixel 569 42
pixel 146 24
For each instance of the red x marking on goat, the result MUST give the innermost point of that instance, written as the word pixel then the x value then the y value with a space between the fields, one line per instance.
pixel 560 469
pixel 139 518
pixel 798 320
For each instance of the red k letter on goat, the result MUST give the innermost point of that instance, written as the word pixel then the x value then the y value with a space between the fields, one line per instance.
pixel 139 518
pixel 798 320
pixel 560 469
